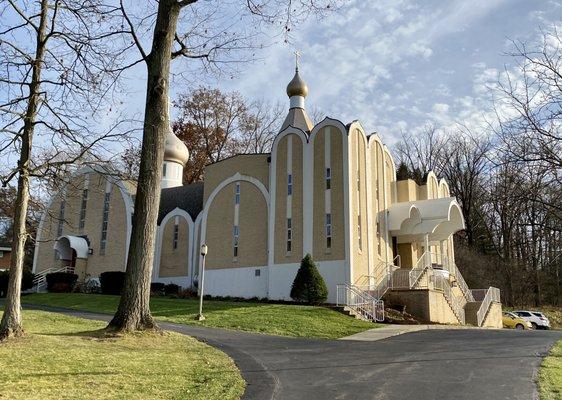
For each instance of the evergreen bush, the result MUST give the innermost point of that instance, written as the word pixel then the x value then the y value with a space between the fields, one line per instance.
pixel 61 282
pixel 309 286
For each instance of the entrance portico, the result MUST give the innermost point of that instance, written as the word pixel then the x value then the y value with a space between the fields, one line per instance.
pixel 73 252
pixel 425 227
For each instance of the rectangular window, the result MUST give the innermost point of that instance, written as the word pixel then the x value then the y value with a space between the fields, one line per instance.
pixel 176 235
pixel 236 234
pixel 289 234
pixel 328 231
pixel 237 194
pixel 105 223
pixel 328 178
pixel 82 222
pixel 290 185
pixel 164 170
pixel 61 218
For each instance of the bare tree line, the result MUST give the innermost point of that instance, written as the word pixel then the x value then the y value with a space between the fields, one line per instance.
pixel 507 179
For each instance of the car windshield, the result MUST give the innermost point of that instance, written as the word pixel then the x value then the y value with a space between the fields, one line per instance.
pixel 538 314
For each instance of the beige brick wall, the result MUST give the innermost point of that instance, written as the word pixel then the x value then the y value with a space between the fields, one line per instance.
pixel 337 251
pixel 280 244
pixel 174 262
pixel 255 165
pixel 252 249
pixel 115 255
pixel 360 248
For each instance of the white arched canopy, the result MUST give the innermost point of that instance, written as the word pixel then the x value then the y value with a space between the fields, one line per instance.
pixel 437 218
pixel 65 244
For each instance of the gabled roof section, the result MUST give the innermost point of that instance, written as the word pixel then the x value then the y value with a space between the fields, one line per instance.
pixel 188 198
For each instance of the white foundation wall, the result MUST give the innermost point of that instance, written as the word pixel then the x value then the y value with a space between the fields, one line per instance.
pixel 236 282
pixel 281 277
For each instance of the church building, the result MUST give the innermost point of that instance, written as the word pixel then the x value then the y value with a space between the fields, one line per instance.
pixel 328 190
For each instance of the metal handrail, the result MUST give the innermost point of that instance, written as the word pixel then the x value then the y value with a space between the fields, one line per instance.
pixel 462 284
pixel 417 272
pixel 442 284
pixel 360 302
pixel 492 295
pixel 40 278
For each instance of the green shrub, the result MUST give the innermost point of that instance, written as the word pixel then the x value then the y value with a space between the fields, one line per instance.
pixel 171 289
pixel 309 286
pixel 26 281
pixel 157 288
pixel 112 282
pixel 61 282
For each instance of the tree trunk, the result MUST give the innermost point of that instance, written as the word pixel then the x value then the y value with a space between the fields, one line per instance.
pixel 133 312
pixel 11 320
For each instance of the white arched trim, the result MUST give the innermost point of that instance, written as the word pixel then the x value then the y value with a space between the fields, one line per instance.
pixel 437 218
pixel 444 190
pixel 176 212
pixel 324 123
pixel 273 185
pixel 234 178
pixel 431 177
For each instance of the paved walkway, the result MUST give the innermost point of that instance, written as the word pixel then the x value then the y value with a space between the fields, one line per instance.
pixel 429 364
pixel 390 330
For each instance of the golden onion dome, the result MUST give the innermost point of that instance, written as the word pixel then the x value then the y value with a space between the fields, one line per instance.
pixel 297 86
pixel 175 150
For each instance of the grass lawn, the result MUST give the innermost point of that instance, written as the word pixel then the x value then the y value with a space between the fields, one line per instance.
pixel 64 357
pixel 550 375
pixel 275 319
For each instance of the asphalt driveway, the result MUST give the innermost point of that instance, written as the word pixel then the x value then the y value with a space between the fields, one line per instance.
pixel 430 364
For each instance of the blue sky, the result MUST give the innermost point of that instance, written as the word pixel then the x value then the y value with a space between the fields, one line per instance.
pixel 398 64
pixel 395 65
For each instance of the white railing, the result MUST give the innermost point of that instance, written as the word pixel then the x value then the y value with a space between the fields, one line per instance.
pixel 422 265
pixel 442 284
pixel 360 302
pixel 40 278
pixel 462 283
pixel 486 296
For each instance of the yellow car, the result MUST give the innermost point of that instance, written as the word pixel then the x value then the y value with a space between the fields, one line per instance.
pixel 512 321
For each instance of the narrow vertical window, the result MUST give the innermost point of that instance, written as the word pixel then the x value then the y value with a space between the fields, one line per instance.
pixel 359 242
pixel 237 194
pixel 176 233
pixel 61 217
pixel 236 234
pixel 359 232
pixel 289 184
pixel 289 234
pixel 104 224
pixel 164 170
pixel 328 231
pixel 328 178
pixel 379 247
pixel 82 222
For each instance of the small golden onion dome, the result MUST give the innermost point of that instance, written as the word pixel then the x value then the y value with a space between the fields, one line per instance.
pixel 175 150
pixel 297 86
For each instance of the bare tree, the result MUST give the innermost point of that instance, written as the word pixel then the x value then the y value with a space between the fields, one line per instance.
pixel 260 125
pixel 46 84
pixel 215 45
pixel 423 151
pixel 464 165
